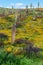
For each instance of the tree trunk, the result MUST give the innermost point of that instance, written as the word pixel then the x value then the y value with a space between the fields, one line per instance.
pixel 13 33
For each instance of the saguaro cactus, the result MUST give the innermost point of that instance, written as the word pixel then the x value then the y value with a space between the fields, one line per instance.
pixel 12 9
pixel 38 5
pixel 26 10
pixel 31 6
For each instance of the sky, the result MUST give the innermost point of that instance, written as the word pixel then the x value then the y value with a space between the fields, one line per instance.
pixel 19 3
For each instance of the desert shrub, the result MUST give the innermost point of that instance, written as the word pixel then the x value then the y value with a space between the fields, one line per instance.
pixel 34 19
pixel 31 50
pixel 18 24
pixel 1 44
pixel 19 41
pixel 3 37
pixel 8 18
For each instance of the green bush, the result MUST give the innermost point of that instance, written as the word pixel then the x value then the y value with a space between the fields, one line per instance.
pixel 35 61
pixel 8 59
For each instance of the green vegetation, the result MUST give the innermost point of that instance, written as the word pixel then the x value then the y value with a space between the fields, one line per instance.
pixel 28 29
pixel 10 59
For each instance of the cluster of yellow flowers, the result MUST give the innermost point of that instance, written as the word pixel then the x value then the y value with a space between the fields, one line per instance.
pixel 30 28
pixel 9 49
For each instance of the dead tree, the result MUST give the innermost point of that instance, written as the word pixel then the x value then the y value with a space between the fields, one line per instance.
pixel 13 33
pixel 14 26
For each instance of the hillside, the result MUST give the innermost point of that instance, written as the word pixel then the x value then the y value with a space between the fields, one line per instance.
pixel 27 48
pixel 32 30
